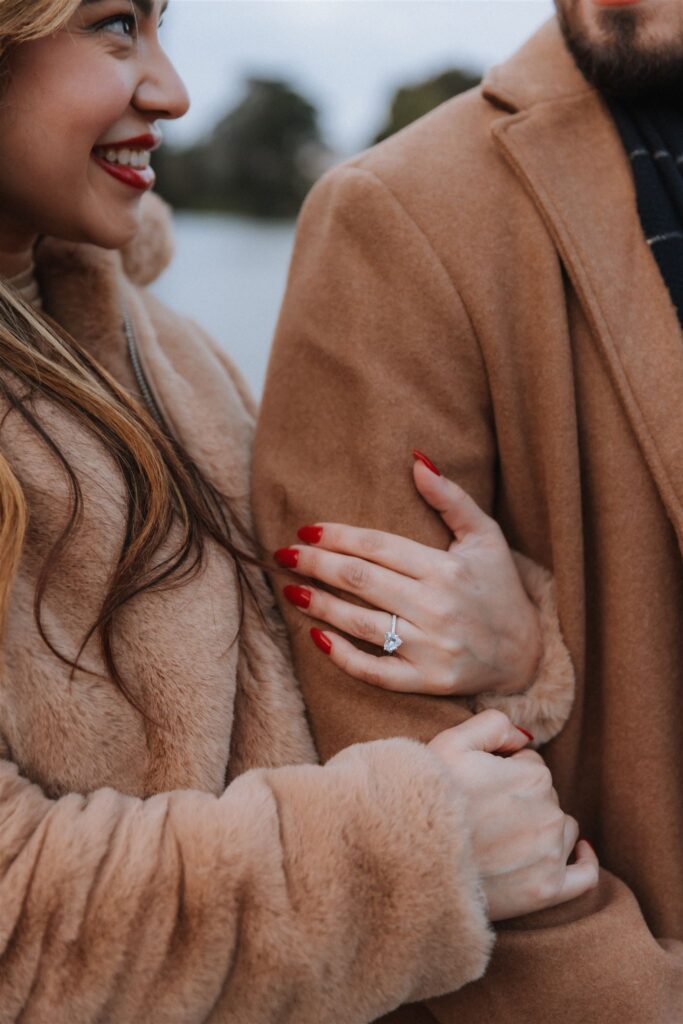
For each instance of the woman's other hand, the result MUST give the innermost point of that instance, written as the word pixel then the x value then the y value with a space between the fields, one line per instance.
pixel 521 839
pixel 465 620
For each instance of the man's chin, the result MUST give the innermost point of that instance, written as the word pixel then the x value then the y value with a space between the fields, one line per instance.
pixel 611 57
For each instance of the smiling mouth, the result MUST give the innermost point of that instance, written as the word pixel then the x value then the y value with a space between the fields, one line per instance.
pixel 138 158
pixel 129 166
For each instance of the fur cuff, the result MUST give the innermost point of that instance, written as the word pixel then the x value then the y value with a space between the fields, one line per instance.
pixel 544 707
pixel 406 822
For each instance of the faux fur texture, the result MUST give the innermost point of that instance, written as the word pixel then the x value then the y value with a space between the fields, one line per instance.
pixel 152 249
pixel 134 885
pixel 545 706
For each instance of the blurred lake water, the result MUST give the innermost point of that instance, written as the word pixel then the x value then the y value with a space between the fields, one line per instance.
pixel 229 274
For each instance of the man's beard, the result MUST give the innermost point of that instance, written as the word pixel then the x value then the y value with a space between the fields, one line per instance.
pixel 616 64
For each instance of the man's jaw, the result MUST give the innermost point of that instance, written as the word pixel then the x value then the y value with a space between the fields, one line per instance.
pixel 609 44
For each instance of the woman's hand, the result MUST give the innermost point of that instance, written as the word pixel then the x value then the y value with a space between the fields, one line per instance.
pixel 466 622
pixel 521 839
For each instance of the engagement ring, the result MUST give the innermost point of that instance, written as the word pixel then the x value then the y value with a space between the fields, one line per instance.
pixel 392 640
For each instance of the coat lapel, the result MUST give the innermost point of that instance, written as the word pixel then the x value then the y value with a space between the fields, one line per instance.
pixel 569 157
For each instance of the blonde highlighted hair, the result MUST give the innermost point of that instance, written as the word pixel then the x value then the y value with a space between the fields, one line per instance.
pixel 24 20
pixel 163 484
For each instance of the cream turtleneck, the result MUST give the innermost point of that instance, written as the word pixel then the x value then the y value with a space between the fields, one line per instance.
pixel 26 284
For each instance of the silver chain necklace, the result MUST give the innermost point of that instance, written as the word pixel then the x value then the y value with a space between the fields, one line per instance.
pixel 140 375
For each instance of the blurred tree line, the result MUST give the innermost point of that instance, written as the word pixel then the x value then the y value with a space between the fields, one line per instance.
pixel 263 156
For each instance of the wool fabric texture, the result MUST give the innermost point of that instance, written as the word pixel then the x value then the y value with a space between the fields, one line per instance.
pixel 479 287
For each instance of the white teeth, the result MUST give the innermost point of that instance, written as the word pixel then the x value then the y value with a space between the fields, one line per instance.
pixel 138 158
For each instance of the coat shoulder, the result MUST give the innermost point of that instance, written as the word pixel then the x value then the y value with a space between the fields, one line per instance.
pixel 446 137
pixel 445 171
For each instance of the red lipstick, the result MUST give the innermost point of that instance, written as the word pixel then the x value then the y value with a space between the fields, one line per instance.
pixel 140 178
pixel 149 141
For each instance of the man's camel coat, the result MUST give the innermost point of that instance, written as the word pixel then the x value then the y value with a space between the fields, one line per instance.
pixel 479 287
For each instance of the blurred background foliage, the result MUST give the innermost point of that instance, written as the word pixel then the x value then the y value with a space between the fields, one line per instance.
pixel 264 155
pixel 412 101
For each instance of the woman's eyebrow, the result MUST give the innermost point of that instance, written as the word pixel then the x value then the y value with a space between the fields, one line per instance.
pixel 146 7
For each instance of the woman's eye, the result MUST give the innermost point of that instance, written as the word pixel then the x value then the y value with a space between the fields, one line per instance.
pixel 120 25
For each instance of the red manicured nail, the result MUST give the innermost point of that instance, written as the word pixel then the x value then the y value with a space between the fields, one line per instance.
pixel 310 534
pixel 288 558
pixel 321 641
pixel 427 462
pixel 525 731
pixel 300 596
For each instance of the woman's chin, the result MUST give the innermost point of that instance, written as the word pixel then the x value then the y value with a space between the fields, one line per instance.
pixel 116 231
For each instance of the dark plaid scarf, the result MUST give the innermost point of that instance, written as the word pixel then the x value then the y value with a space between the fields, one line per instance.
pixel 653 137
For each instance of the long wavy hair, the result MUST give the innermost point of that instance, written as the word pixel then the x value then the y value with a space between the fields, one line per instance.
pixel 163 484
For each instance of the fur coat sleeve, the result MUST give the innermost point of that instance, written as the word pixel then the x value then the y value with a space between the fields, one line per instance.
pixel 306 895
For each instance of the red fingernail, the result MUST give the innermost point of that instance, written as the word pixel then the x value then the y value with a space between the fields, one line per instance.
pixel 288 558
pixel 525 731
pixel 427 462
pixel 300 596
pixel 321 641
pixel 310 534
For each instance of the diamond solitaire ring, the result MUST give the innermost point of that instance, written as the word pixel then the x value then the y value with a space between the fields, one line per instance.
pixel 392 640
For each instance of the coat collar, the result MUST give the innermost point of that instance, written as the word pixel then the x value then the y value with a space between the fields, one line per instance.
pixel 542 70
pixel 560 141
pixel 83 286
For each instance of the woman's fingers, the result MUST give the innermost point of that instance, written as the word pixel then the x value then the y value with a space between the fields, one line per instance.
pixel 571 834
pixel 374 584
pixel 581 876
pixel 384 672
pixel 387 549
pixel 363 623
pixel 458 510
pixel 490 731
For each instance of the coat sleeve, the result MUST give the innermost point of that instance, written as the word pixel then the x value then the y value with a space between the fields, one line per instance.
pixel 375 355
pixel 302 895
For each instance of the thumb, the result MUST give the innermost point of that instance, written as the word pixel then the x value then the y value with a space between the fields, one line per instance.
pixel 460 513
pixel 490 731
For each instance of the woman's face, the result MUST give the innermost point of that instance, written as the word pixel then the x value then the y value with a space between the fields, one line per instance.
pixel 69 104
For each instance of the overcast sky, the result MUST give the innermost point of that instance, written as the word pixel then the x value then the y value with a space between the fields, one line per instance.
pixel 347 56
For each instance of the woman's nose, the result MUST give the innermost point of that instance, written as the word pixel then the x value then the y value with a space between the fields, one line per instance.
pixel 162 91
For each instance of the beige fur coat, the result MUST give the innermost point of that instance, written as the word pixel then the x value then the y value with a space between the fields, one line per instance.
pixel 134 885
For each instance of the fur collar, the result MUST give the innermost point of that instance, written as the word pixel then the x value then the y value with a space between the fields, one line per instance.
pixel 143 259
pixel 84 286
pixel 151 251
